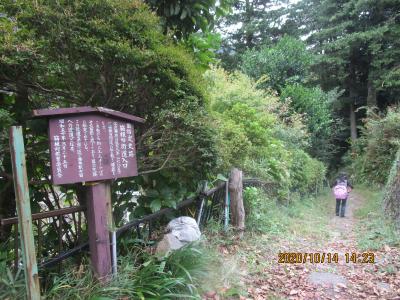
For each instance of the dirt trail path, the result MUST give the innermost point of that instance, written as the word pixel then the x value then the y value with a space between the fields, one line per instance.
pixel 330 280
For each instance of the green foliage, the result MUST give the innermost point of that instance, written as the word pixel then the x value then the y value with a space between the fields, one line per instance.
pixel 391 198
pixel 286 62
pixel 252 23
pixel 362 33
pixel 373 153
pixel 307 173
pixel 140 276
pixel 245 131
pixel 257 134
pixel 184 17
pixel 285 67
pixel 374 229
pixel 12 285
pixel 266 215
pixel 352 46
pixel 316 107
pixel 6 121
pixel 113 54
pixel 204 45
pixel 262 213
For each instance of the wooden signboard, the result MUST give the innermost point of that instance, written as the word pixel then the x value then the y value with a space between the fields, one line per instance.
pixel 90 144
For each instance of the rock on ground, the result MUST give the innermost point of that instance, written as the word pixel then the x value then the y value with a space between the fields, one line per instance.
pixel 179 232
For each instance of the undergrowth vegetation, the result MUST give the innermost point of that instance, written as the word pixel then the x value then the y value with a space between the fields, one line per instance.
pixel 374 229
pixel 391 198
pixel 269 216
pixel 140 276
pixel 260 135
pixel 372 155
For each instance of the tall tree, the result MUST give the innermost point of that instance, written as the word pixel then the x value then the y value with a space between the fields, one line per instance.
pixel 358 46
pixel 286 62
pixel 250 24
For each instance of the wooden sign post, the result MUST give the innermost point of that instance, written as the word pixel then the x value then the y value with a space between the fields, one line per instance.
pixel 98 200
pixel 92 145
pixel 24 212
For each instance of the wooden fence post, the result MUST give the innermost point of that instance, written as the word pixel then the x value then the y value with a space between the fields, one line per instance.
pixel 24 212
pixel 236 198
pixel 99 222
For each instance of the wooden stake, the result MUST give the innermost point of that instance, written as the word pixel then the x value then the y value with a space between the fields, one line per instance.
pixel 236 198
pixel 99 222
pixel 24 212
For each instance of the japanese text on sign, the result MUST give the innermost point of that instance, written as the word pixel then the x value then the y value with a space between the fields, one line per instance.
pixel 90 148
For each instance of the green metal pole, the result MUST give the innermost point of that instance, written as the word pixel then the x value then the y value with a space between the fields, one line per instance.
pixel 227 204
pixel 24 212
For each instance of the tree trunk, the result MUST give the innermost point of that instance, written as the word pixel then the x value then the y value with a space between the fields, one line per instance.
pixel 236 194
pixel 371 98
pixel 352 84
pixel 353 123
pixel 248 32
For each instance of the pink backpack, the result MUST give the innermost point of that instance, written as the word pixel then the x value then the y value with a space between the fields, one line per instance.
pixel 340 190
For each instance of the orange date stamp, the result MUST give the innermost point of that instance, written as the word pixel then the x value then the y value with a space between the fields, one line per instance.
pixel 321 258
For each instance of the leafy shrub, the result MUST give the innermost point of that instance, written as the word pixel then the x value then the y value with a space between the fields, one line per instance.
pixel 287 62
pixel 12 286
pixel 140 276
pixel 373 153
pixel 267 215
pixel 391 198
pixel 105 53
pixel 245 121
pixel 316 107
pixel 262 213
pixel 257 133
pixel 307 174
pixel 374 229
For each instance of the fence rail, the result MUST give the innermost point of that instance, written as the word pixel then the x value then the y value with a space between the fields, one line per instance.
pixel 45 214
pixel 212 199
pixel 67 223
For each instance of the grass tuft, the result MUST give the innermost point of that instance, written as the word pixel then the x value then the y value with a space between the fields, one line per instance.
pixel 374 229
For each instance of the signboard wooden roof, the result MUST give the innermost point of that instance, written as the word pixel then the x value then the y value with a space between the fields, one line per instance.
pixel 90 144
pixel 53 112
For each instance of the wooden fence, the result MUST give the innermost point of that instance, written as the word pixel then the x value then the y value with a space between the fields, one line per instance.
pixel 69 222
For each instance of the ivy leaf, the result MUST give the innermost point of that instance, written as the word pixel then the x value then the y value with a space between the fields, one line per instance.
pixel 170 203
pixel 155 205
pixel 222 177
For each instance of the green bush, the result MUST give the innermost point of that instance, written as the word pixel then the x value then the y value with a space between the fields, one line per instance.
pixel 316 107
pixel 108 53
pixel 373 153
pixel 307 174
pixel 140 276
pixel 12 285
pixel 391 198
pixel 284 63
pixel 266 215
pixel 257 133
pixel 374 229
pixel 263 213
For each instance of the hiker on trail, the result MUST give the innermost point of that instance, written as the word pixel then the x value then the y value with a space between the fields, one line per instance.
pixel 341 189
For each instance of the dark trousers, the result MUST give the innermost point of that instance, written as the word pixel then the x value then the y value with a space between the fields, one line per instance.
pixel 340 206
